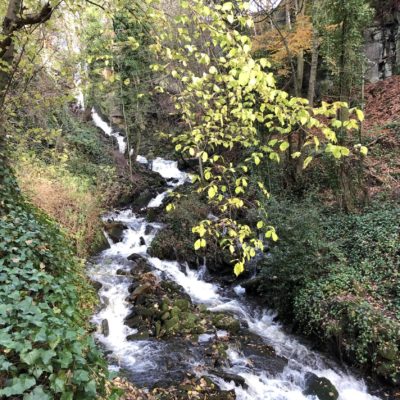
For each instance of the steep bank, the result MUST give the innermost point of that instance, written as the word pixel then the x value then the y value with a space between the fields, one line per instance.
pixel 46 350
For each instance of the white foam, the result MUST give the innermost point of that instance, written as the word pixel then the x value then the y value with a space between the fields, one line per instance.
pixel 106 128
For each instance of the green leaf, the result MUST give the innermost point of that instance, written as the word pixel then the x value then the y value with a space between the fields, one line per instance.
pixel 37 394
pixel 80 376
pixel 18 385
pixel 31 357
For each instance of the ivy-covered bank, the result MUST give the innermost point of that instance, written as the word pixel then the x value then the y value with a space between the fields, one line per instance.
pixel 336 276
pixel 46 351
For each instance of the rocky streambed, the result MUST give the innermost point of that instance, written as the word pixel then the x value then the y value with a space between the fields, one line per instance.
pixel 180 335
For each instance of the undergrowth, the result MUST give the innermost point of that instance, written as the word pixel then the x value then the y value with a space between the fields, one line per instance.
pixel 336 276
pixel 45 349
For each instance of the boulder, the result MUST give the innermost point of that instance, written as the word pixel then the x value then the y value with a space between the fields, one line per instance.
pixel 105 329
pixel 228 377
pixel 143 199
pixel 142 242
pixel 320 387
pixel 97 285
pixel 138 336
pixel 226 322
pixel 149 230
pixel 115 230
pixel 136 257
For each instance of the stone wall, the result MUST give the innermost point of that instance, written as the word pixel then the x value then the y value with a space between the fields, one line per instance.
pixel 382 49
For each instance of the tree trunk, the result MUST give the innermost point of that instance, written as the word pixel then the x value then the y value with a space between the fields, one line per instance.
pixel 287 14
pixel 314 68
pixel 300 56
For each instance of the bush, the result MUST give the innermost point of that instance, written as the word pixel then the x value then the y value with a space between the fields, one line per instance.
pixel 336 275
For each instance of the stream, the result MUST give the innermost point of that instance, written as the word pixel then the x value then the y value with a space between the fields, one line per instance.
pixel 147 362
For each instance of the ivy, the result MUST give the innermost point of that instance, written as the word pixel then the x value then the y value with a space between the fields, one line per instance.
pixel 45 350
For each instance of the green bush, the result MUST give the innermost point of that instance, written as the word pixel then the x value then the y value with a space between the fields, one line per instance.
pixel 336 275
pixel 46 352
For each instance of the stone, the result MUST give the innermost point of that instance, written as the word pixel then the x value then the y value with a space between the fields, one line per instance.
pixel 165 316
pixel 115 230
pixel 122 272
pixel 138 336
pixel 149 230
pixel 171 323
pixel 226 322
pixel 97 285
pixel 320 387
pixel 135 257
pixel 157 328
pixel 227 377
pixel 101 244
pixel 142 242
pixel 389 352
pixel 182 304
pixel 140 291
pixel 105 329
pixel 143 199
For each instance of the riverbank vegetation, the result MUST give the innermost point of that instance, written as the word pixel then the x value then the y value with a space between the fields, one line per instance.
pixel 294 159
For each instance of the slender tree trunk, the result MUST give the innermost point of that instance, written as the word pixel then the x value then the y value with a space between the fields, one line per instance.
pixel 300 56
pixel 314 68
pixel 287 14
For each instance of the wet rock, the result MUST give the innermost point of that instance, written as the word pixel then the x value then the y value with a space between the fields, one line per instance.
pixel 142 242
pixel 133 287
pixel 149 230
pixel 97 285
pixel 252 286
pixel 170 324
pixel 188 164
pixel 101 244
pixel 136 322
pixel 182 304
pixel 136 257
pixel 140 291
pixel 122 272
pixel 143 199
pixel 228 377
pixel 138 336
pixel 320 387
pixel 226 322
pixel 105 329
pixel 389 352
pixel 115 230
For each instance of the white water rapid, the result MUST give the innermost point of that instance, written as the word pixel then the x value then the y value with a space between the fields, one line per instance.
pixel 142 358
pixel 108 130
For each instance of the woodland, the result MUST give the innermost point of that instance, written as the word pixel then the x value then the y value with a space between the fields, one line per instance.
pixel 200 199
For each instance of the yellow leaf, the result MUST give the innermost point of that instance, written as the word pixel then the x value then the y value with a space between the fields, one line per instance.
pixel 260 224
pixel 307 161
pixel 212 192
pixel 360 115
pixel 238 269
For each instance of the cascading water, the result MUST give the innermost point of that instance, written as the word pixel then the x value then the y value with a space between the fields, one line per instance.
pixel 143 359
pixel 108 130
